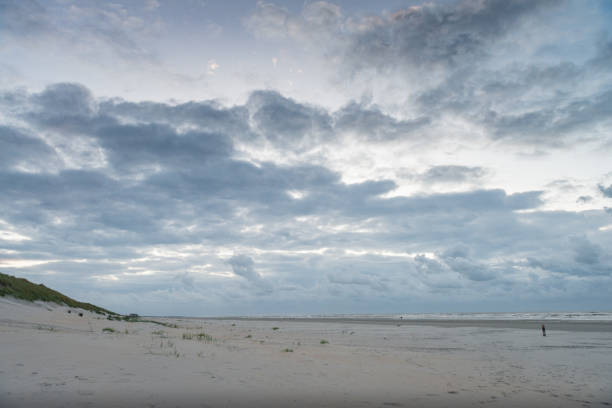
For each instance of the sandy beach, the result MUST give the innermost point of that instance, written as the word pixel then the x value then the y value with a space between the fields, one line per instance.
pixel 52 358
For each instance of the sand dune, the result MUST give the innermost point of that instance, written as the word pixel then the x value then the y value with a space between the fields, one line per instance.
pixel 52 358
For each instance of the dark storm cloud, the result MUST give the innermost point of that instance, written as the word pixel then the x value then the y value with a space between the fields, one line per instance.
pixel 426 35
pixel 546 123
pixel 65 99
pixel 563 111
pixel 16 147
pixel 373 124
pixel 464 89
pixel 441 54
pixel 148 144
pixel 286 122
pixel 206 115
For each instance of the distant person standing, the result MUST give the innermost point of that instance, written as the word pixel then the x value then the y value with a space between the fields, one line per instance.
pixel 543 330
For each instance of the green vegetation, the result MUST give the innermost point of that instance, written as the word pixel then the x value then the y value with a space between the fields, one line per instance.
pixel 207 338
pixel 248 336
pixel 288 350
pixel 324 342
pixel 275 328
pixel 108 330
pixel 24 289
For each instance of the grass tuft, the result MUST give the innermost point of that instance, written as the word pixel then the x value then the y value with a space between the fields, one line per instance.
pixel 206 338
pixel 288 350
pixel 108 330
pixel 324 342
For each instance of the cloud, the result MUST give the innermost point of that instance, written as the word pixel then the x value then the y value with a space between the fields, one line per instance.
pixel 371 123
pixel 584 199
pixel 65 99
pixel 452 174
pixel 208 116
pixel 287 123
pixel 186 279
pixel 317 20
pixel 23 18
pixel 606 191
pixel 546 123
pixel 585 252
pixel 435 35
pixel 171 195
pixel 17 148
pixel 425 35
pixel 485 61
pixel 244 267
pixel 82 27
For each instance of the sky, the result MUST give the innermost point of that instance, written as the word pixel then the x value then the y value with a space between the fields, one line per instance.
pixel 205 158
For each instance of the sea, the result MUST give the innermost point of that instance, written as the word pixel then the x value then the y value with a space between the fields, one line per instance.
pixel 557 316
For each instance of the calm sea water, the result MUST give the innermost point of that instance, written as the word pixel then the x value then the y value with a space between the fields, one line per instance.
pixel 564 316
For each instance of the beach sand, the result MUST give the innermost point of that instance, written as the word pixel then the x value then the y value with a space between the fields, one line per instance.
pixel 52 358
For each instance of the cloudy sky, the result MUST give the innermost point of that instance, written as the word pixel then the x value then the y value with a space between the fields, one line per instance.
pixel 207 157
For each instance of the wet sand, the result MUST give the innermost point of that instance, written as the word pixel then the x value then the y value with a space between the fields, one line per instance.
pixel 51 358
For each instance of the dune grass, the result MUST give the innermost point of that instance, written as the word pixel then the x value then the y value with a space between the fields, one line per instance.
pixel 206 338
pixel 24 289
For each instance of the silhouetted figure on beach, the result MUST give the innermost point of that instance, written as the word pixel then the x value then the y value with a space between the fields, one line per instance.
pixel 543 331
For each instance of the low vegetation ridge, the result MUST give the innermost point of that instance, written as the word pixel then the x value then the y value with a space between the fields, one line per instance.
pixel 24 289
